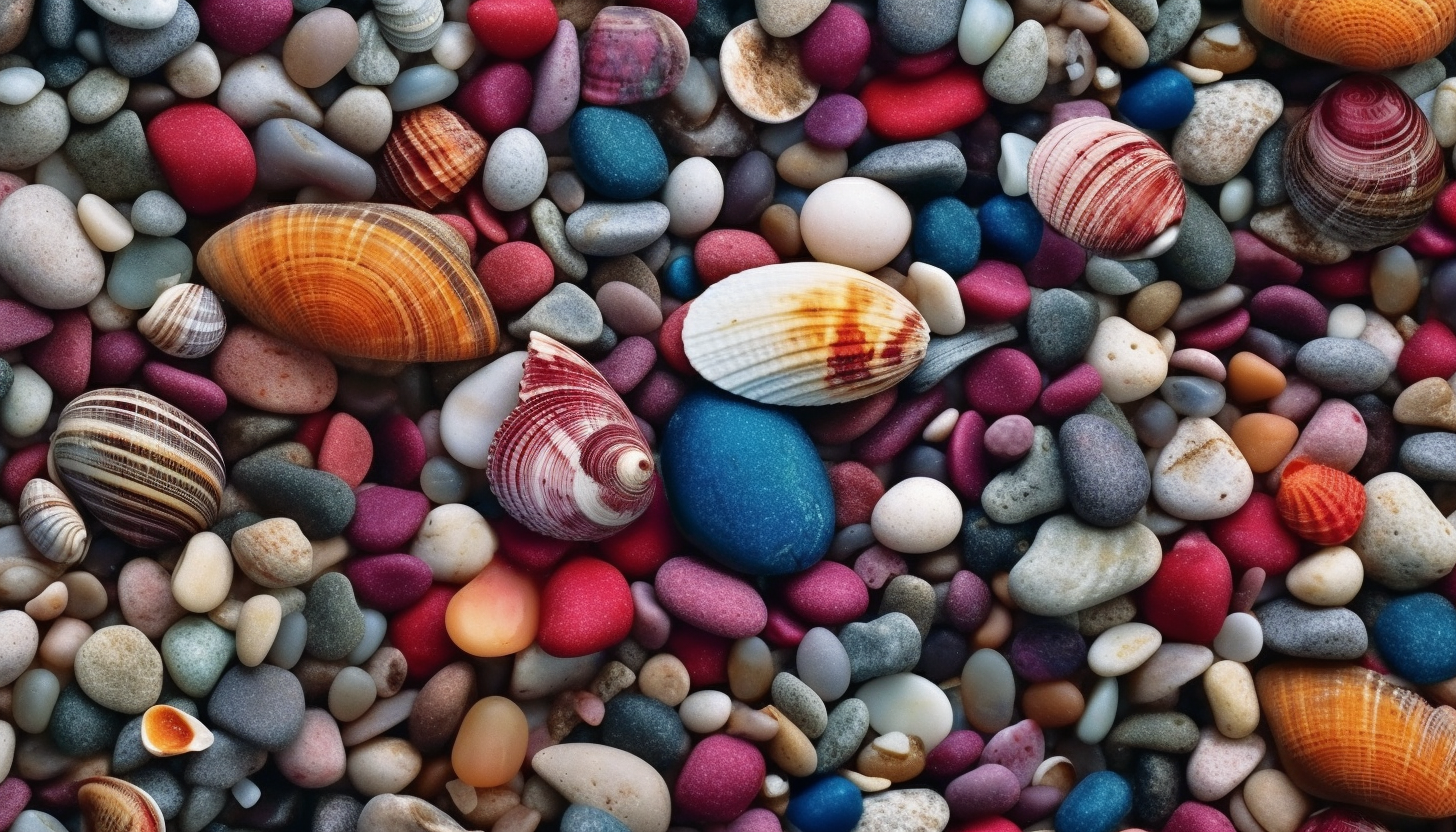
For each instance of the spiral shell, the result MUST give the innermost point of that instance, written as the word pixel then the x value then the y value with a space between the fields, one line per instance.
pixel 803 334
pixel 1346 734
pixel 167 732
pixel 1363 166
pixel 569 461
pixel 410 25
pixel 149 472
pixel 358 280
pixel 1107 187
pixel 109 804
pixel 1320 504
pixel 631 54
pixel 1363 34
pixel 187 321
pixel 52 524
pixel 431 156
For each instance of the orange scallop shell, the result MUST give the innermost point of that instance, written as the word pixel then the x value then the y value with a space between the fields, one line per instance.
pixel 1320 504
pixel 1364 34
pixel 1346 734
pixel 431 156
pixel 109 804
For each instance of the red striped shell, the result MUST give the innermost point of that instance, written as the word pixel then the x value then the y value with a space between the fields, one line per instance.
pixel 431 156
pixel 1107 187
pixel 1320 504
pixel 631 54
pixel 1341 819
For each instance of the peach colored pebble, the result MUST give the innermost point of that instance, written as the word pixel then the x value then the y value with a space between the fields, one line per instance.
pixel 57 651
pixel 496 614
pixel 1264 439
pixel 664 678
pixel 1201 362
pixel 491 745
pixel 1252 379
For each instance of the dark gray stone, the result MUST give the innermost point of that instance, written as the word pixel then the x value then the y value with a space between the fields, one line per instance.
pixel 1060 325
pixel 889 644
pixel 262 705
pixel 920 169
pixel 136 52
pixel 114 159
pixel 647 728
pixel 1105 472
pixel 1203 257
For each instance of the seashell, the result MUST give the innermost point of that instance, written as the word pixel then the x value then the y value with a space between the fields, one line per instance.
pixel 358 280
pixel 167 732
pixel 149 472
pixel 1107 187
pixel 52 524
pixel 1364 34
pixel 1319 503
pixel 431 156
pixel 187 321
pixel 109 804
pixel 803 334
pixel 569 461
pixel 1341 819
pixel 631 54
pixel 1346 734
pixel 764 76
pixel 1362 165
pixel 410 25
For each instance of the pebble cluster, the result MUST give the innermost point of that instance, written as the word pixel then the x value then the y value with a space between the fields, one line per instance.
pixel 727 416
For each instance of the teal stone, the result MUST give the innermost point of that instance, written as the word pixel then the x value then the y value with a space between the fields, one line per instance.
pixel 1097 804
pixel 146 268
pixel 616 153
pixel 195 652
pixel 421 85
pixel 582 818
pixel 35 696
pixel 80 727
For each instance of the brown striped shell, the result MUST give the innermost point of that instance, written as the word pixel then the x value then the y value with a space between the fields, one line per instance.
pixel 109 804
pixel 804 334
pixel 1364 34
pixel 1346 734
pixel 431 155
pixel 187 321
pixel 569 461
pixel 1107 187
pixel 149 472
pixel 51 522
pixel 1363 166
pixel 358 280
pixel 631 54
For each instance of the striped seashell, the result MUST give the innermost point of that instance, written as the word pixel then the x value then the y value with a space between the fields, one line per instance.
pixel 569 462
pixel 1363 166
pixel 168 731
pixel 358 280
pixel 52 524
pixel 803 334
pixel 1373 35
pixel 631 54
pixel 149 472
pixel 1107 187
pixel 187 321
pixel 410 25
pixel 1341 819
pixel 431 156
pixel 1346 734
pixel 109 804
pixel 1319 503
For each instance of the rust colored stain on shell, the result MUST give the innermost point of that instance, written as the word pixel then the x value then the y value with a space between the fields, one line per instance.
pixel 853 352
pixel 166 728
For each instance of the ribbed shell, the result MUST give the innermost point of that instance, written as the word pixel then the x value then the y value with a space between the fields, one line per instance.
pixel 109 804
pixel 569 461
pixel 632 54
pixel 1320 504
pixel 145 469
pixel 410 25
pixel 358 280
pixel 168 731
pixel 187 321
pixel 1346 734
pixel 803 334
pixel 1107 187
pixel 52 524
pixel 432 155
pixel 1341 819
pixel 1364 34
pixel 1362 166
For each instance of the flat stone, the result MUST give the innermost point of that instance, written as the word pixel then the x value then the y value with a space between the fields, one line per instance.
pixel 1071 565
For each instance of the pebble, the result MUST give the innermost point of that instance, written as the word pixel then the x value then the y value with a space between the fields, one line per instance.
pixel 910 704
pixel 1303 631
pixel 59 269
pixel 1404 541
pixel 1200 474
pixel 609 779
pixel 118 668
pixel 1220 134
pixel 1104 564
pixel 1093 453
pixel 261 705
pixel 291 154
pixel 1123 648
pixel 854 222
pixel 719 780
pixel 1130 361
pixel 1018 71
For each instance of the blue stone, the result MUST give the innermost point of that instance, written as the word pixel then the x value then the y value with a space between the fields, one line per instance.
pixel 1416 635
pixel 579 818
pixel 680 278
pixel 1096 804
pixel 616 153
pixel 1011 226
pixel 947 235
pixel 794 197
pixel 1160 101
pixel 746 484
pixel 421 85
pixel 830 804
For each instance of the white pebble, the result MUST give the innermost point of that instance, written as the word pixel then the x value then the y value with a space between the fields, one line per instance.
pixel 910 704
pixel 984 26
pixel 1330 577
pixel 937 298
pixel 1100 712
pixel 24 409
pixel 693 196
pixel 1346 321
pixel 705 711
pixel 941 426
pixel 1236 199
pixel 916 516
pixel 58 172
pixel 854 222
pixel 246 793
pixel 1015 159
pixel 107 229
pixel 19 84
pixel 474 410
pixel 1123 649
pixel 455 47
pixel 456 543
pixel 1241 638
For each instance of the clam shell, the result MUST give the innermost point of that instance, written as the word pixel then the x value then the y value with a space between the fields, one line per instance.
pixel 1363 166
pixel 1107 187
pixel 52 524
pixel 167 732
pixel 1341 819
pixel 149 472
pixel 1363 34
pixel 764 76
pixel 109 804
pixel 187 321
pixel 431 156
pixel 1319 503
pixel 358 280
pixel 631 54
pixel 569 461
pixel 803 334
pixel 1346 734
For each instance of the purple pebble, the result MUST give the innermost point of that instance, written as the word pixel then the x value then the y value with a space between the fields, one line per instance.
pixel 1019 747
pixel 245 26
pixel 198 396
pixel 967 602
pixel 966 456
pixel 756 820
pixel 389 583
pixel 710 598
pixel 14 795
pixel 116 357
pixel 988 790
pixel 903 425
pixel 21 323
pixel 1081 108
pixel 878 565
pixel 628 363
pixel 1291 312
pixel 955 755
pixel 1036 802
pixel 835 46
pixel 657 396
pixel 1057 264
pixel 650 623
pixel 835 121
pixel 1010 437
pixel 399 451
pixel 1046 651
pixel 386 518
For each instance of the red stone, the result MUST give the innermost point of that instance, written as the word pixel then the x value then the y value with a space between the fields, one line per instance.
pixel 419 633
pixel 856 490
pixel 484 217
pixel 586 606
pixel 311 429
pixel 1445 207
pixel 464 227
pixel 908 110
pixel 244 26
pixel 994 291
pixel 1197 817
pixel 670 342
pixel 1257 265
pixel 719 780
pixel 1218 334
pixel 1341 281
pixel 205 156
pixel 1254 536
pixel 23 466
pixel 1188 598
pixel 515 275
pixel 827 594
pixel 970 470
pixel 529 550
pixel 727 251
pixel 347 451
pixel 400 452
pixel 513 29
pixel 682 12
pixel 63 356
pixel 1071 393
pixel 115 357
pixel 703 654
pixel 1430 353
pixel 840 424
pixel 198 396
pixel 497 98
pixel 647 542
pixel 783 631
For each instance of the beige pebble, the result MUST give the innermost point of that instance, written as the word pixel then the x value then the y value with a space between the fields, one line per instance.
pixel 750 724
pixel 790 749
pixel 1429 402
pixel 50 603
pixel 609 779
pixel 57 651
pixel 1218 764
pixel 107 229
pixel 940 428
pixel 109 316
pixel 864 782
pixel 1225 47
pixel 1121 41
pixel 1131 362
pixel 916 516
pixel 202 576
pixel 705 711
pixel 518 819
pixel 120 668
pixel 328 553
pixel 1057 772
pixel 359 120
pixel 195 72
pixel 895 757
pixel 319 46
pixel 855 222
pixel 1330 577
pixel 1232 698
pixel 383 715
pixel 937 298
pixel 780 226
pixel 382 766
pixel 807 165
pixel 664 678
pixel 1443 113
pixel 351 694
pixel 1123 648
pixel 490 805
pixel 750 669
pixel 257 627
pixel 1288 233
pixel 86 595
pixel 273 553
pixel 1238 812
pixel 455 46
pixel 1275 802
pixel 388 668
pixel 1395 281
pixel 456 542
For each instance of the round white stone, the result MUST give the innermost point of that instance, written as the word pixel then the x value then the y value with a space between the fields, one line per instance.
pixel 854 222
pixel 1122 649
pixel 916 516
pixel 910 704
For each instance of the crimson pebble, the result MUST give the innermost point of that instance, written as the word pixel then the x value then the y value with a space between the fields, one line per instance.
pixel 1191 816
pixel 399 451
pixel 967 601
pixel 386 518
pixel 512 29
pixel 205 156
pixel 1217 334
pixel 647 542
pixel 703 655
pixel 244 26
pixel 719 780
pixel 346 451
pixel 783 630
pixel 966 462
pixel 628 363
pixel 1431 239
pixel 835 46
pixel 497 98
pixel 841 424
pixel 1259 266
pixel 728 251
pixel 310 433
pixel 901 426
pixel 1430 352
pixel 954 755
pixel 682 12
pixel 418 632
pixel 994 291
pixel 909 110
pixel 826 594
pixel 198 396
pixel 586 606
pixel 63 356
pixel 1254 536
pixel 464 227
pixel 1346 280
pixel 531 551
pixel 856 490
pixel 1188 597
pixel 21 323
pixel 515 275
pixel 1058 262
pixel 24 465
pixel 1002 381
pixel 669 341
pixel 1071 392
pixel 388 583
pixel 1289 311
pixel 878 565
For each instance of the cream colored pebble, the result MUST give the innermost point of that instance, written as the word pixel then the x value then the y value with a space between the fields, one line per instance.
pixel 203 574
pixel 1275 802
pixel 1232 698
pixel 1330 577
pixel 107 229
pixel 257 627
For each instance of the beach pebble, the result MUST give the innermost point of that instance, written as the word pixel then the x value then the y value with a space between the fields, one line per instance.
pixel 1123 648
pixel 1103 564
pixel 854 222
pixel 120 669
pixel 609 779
pixel 1303 631
pixel 1130 361
pixel 917 515
pixel 1404 542
pixel 1219 135
pixel 57 268
pixel 910 704
pixel 1200 474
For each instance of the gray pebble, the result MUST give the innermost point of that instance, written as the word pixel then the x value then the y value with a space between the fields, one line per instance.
pixel 136 52
pixel 1268 167
pixel 845 730
pixel 1307 632
pixel 1101 406
pixel 1343 366
pixel 97 96
pixel 748 189
pixel 157 214
pixel 1155 423
pixel 944 355
pixel 1033 488
pixel 162 786
pixel 912 596
pixel 61 69
pixel 1169 732
pixel 1119 277
pixel 566 313
pixel 1418 79
pixel 145 268
pixel 114 159
pixel 1430 456
pixel 1060 325
pixel 800 704
pixel 291 154
pixel 1177 20
pixel 225 762
pixel 128 754
pixel 925 168
pixel 822 663
pixel 888 644
pixel 1095 454
pixel 31 131
pixel 57 20
pixel 515 170
pixel 421 85
pixel 262 705
pixel 80 727
pixel 1018 72
pixel 1157 787
pixel 551 231
pixel 1203 256
pixel 1193 395
pixel 335 812
pixel 919 26
pixel 200 808
pixel 335 622
pixel 374 64
pixel 610 229
pixel 647 728
pixel 923 461
pixel 1141 13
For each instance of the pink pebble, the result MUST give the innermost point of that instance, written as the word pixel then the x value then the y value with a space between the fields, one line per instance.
pixel 14 795
pixel 1197 361
pixel 650 623
pixel 900 427
pixel 1247 590
pixel 386 518
pixel 719 780
pixel 1197 817
pixel 1019 747
pixel 23 466
pixel 9 184
pixel 463 226
pixel 1257 265
pixel 21 323
pixel 1432 239
pixel 1057 264
pixel 1071 392
pixel 834 47
pixel 835 121
pixel 1218 334
pixel 63 356
pixel 515 275
pixel 878 565
pixel 728 251
pixel 245 26
pixel 590 708
pixel 1080 108
pixel 1298 400
pixel 856 490
pixel 399 451
pixel 496 99
pixel 994 291
pixel 1254 536
pixel 756 820
pixel 840 424
pixel 1335 436
pixel 199 396
pixel 1009 437
pixel 827 594
pixel 988 790
pixel 954 755
pixel 389 583
pixel 628 363
pixel 347 451
pixel 709 598
pixel 1002 382
pixel 116 357
pixel 966 456
pixel 967 602
pixel 783 630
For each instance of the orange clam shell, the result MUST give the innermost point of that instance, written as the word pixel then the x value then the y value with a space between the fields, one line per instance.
pixel 1320 504
pixel 431 156
pixel 1363 34
pixel 109 804
pixel 1346 734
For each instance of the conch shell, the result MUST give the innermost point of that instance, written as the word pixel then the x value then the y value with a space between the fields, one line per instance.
pixel 569 461
pixel 52 524
pixel 109 804
pixel 803 334
pixel 357 280
pixel 1364 34
pixel 1320 504
pixel 1346 734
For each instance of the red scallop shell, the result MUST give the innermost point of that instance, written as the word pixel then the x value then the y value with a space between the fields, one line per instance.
pixel 431 156
pixel 1320 504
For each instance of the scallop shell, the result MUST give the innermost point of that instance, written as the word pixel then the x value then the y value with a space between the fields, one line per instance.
pixel 1363 166
pixel 109 804
pixel 431 156
pixel 1109 188
pixel 358 280
pixel 52 524
pixel 187 321
pixel 149 472
pixel 1320 504
pixel 1346 734
pixel 569 461
pixel 167 732
pixel 803 334
pixel 631 54
pixel 1341 819
pixel 1363 34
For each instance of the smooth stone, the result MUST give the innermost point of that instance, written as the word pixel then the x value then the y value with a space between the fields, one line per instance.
pixel 359 120
pixel 374 63
pixel 1307 632
pixel 32 131
pixel 909 704
pixel 609 779
pixel 1060 327
pixel 1241 638
pixel 1343 366
pixel 1404 541
pixel 1123 648
pixel 1072 566
pixel 1219 764
pixel 97 96
pixel 1202 258
pixel 896 809
pixel 335 622
pixel 888 644
pixel 19 639
pixel 45 256
pixel 1219 136
pixel 1018 71
pixel 988 691
pixel 602 229
pixel 1168 732
pixel 261 705
pixel 1095 453
pixel 917 515
pixel 1176 22
pixel 843 733
pixel 157 214
pixel 195 72
pixel 19 84
pixel 147 267
pixel 195 652
pixel 107 229
pixel 823 664
pixel 137 52
pixel 983 27
pixel 292 154
pixel 929 167
pixel 515 170
pixel 225 762
pixel 401 813
pixel 1034 487
pixel 421 85
pixel 1201 474
pixel 1131 362
pixel 118 668
pixel 566 313
pixel 114 159
pixel 855 222
pixel 256 88
pixel 138 14
pixel 1330 577
pixel 1193 396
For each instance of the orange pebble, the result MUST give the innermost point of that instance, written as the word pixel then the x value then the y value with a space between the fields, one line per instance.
pixel 1264 439
pixel 1053 704
pixel 496 614
pixel 1252 379
pixel 995 631
pixel 491 745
